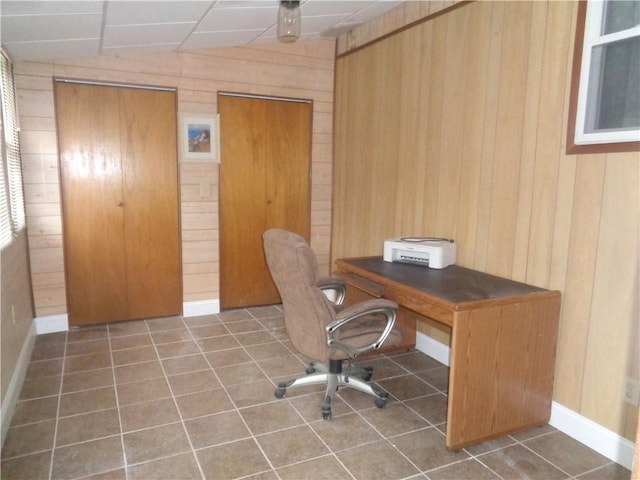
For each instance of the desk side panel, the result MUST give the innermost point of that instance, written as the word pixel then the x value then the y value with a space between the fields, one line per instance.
pixel 502 370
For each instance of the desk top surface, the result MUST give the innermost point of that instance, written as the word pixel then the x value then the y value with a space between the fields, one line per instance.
pixel 453 284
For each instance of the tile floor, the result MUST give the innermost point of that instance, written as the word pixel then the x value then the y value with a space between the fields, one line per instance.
pixel 178 398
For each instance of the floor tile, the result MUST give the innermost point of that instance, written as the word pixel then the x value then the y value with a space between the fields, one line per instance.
pixel 322 468
pixel 75 382
pixel 155 443
pixel 519 462
pixel 83 363
pixel 193 382
pixel 40 387
pixel 36 410
pixel 148 414
pixel 426 449
pixel 89 458
pixel 394 419
pixel 203 403
pixel 224 358
pixel 138 372
pixel 88 426
pixel 241 458
pixel 27 439
pixel 270 417
pixel 377 461
pixel 44 368
pixel 566 453
pixel 215 429
pixel 29 467
pixel 291 446
pixel 347 431
pixel 183 466
pixel 253 393
pixel 134 355
pixel 143 391
pixel 432 407
pixel 87 401
pixel 469 469
pixel 131 341
pixel 191 363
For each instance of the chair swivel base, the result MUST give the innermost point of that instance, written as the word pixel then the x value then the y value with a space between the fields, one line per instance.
pixel 333 376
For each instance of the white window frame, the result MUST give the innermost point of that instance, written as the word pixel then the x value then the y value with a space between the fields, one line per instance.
pixel 593 37
pixel 12 207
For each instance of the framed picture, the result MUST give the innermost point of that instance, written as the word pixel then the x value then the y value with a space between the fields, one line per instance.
pixel 199 138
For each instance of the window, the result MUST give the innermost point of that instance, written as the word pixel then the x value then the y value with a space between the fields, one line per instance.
pixel 605 93
pixel 12 216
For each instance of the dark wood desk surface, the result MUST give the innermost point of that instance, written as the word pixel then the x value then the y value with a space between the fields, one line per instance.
pixel 453 284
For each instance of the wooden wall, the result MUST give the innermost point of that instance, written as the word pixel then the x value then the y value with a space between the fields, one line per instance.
pixel 16 309
pixel 302 70
pixel 455 127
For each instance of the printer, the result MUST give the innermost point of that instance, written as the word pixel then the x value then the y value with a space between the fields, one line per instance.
pixel 427 251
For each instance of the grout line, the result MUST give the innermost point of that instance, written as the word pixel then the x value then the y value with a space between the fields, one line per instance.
pixel 173 396
pixel 115 390
pixel 55 431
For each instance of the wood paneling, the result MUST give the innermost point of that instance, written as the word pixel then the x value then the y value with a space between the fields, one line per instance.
pixel 454 127
pixel 303 69
pixel 17 309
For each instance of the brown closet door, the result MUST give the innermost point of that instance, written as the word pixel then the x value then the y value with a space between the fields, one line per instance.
pixel 119 186
pixel 264 183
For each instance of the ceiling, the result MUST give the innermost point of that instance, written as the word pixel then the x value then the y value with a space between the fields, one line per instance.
pixel 52 29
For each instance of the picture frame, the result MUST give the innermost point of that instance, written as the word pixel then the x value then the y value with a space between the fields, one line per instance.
pixel 199 138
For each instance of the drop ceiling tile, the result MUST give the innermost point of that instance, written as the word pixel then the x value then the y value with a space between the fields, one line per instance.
pixel 59 49
pixel 221 39
pixel 129 49
pixel 23 28
pixel 22 7
pixel 226 19
pixel 320 23
pixel 121 35
pixel 145 12
pixel 374 10
pixel 324 7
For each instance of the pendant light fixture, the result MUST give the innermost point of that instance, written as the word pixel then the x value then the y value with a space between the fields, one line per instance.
pixel 289 21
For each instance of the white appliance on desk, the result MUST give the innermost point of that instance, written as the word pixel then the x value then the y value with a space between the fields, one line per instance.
pixel 427 251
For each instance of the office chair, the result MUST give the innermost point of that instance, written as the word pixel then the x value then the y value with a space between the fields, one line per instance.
pixel 326 331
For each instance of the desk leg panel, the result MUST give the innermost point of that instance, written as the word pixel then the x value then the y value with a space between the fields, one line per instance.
pixel 502 368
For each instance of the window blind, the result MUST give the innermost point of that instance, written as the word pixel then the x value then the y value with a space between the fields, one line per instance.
pixel 12 188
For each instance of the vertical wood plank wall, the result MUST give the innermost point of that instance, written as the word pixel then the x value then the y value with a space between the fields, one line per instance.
pixel 301 70
pixel 455 127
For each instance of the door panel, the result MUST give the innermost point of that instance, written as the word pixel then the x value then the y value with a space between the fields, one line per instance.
pixel 264 183
pixel 148 131
pixel 118 167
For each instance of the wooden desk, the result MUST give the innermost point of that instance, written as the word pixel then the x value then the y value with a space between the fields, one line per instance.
pixel 503 341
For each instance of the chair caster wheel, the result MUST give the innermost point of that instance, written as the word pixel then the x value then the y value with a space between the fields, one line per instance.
pixel 310 370
pixel 326 408
pixel 381 402
pixel 279 392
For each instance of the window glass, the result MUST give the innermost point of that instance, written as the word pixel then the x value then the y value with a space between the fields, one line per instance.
pixel 620 15
pixel 614 97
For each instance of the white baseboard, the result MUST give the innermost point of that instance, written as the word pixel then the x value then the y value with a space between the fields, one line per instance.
pixel 52 324
pixel 594 436
pixel 201 307
pixel 604 441
pixel 15 384
pixel 436 350
pixel 60 323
